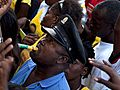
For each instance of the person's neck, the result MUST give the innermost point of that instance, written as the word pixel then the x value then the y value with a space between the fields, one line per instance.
pixel 116 42
pixel 108 39
pixel 75 83
pixel 48 71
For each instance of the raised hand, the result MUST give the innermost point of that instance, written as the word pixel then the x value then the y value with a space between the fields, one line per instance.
pixel 4 6
pixel 5 63
pixel 114 81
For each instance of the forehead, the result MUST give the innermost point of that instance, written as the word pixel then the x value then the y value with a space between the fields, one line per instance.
pixel 99 12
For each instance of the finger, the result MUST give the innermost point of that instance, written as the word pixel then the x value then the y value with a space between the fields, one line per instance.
pixel 8 49
pixel 4 44
pixel 106 83
pixel 28 42
pixel 7 63
pixel 103 67
pixel 10 61
pixel 33 37
pixel 106 63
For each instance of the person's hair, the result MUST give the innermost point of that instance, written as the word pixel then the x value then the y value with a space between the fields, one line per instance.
pixel 112 8
pixel 89 54
pixel 9 26
pixel 70 7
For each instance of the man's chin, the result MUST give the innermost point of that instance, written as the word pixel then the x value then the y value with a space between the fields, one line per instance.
pixel 33 54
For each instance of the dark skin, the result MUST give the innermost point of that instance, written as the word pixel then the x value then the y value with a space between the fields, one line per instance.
pixel 22 17
pixel 5 63
pixel 99 27
pixel 23 8
pixel 50 19
pixel 30 39
pixel 5 6
pixel 51 2
pixel 114 81
pixel 53 16
pixel 47 63
pixel 117 37
pixel 74 74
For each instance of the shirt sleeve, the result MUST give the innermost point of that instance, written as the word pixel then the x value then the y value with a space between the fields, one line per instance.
pixel 27 1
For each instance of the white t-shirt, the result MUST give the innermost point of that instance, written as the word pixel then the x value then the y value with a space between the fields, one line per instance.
pixel 116 66
pixel 45 6
pixel 102 52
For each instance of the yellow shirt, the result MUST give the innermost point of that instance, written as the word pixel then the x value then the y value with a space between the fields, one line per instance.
pixel 23 1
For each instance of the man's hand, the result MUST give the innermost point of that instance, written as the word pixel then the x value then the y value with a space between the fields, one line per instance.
pixel 5 63
pixel 30 39
pixel 114 82
pixel 4 6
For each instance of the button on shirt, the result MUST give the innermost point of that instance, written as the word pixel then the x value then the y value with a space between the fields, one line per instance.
pixel 57 82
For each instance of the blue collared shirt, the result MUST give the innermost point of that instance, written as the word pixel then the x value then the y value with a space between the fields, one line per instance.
pixel 57 82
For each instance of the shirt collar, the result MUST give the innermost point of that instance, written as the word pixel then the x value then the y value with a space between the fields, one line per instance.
pixel 52 80
pixel 48 82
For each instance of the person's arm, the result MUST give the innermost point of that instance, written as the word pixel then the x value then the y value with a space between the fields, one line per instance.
pixel 114 81
pixel 23 12
pixel 5 63
pixel 4 6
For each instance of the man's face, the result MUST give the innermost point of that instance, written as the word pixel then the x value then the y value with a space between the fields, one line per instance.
pixel 98 25
pixel 74 71
pixel 50 19
pixel 47 52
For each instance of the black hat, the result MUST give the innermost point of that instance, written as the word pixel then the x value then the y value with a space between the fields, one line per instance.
pixel 66 34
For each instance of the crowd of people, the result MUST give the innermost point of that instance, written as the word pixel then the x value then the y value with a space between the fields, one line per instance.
pixel 45 45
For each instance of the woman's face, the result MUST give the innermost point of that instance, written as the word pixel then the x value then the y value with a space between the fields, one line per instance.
pixel 74 71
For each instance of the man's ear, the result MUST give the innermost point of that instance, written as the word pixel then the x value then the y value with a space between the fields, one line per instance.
pixel 62 59
pixel 56 19
pixel 85 71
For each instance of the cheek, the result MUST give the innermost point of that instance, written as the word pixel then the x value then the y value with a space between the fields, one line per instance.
pixel 76 69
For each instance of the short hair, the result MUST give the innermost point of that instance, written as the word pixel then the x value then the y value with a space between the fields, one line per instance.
pixel 112 8
pixel 70 7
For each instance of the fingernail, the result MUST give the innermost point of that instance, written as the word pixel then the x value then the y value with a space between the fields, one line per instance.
pixel 11 59
pixel 11 46
pixel 96 79
pixel 10 39
pixel 90 61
